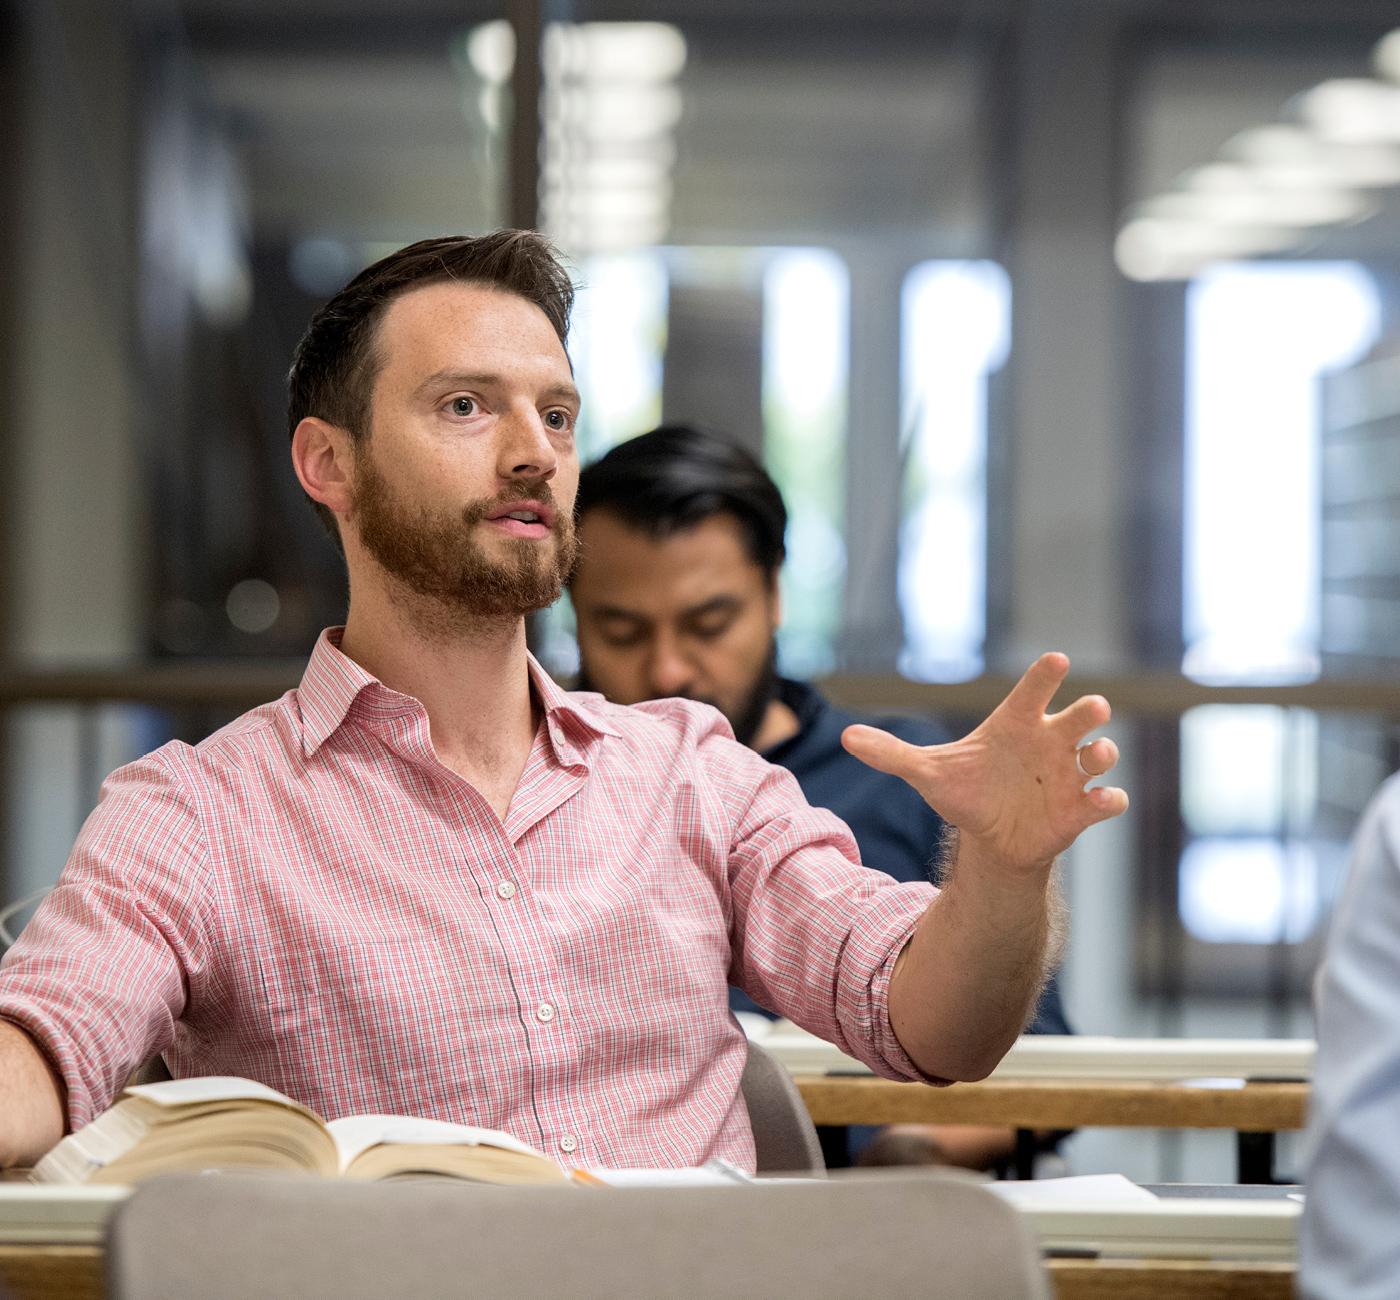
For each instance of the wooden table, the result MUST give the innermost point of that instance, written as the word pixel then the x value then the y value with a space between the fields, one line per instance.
pixel 1255 1111
pixel 1170 1279
pixel 76 1273
pixel 52 1272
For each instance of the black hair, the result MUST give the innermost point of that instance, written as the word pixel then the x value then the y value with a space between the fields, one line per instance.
pixel 677 476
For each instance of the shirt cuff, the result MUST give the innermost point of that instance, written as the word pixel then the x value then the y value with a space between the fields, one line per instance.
pixel 49 1037
pixel 881 935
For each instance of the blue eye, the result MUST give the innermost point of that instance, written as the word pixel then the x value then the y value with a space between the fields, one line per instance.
pixel 463 405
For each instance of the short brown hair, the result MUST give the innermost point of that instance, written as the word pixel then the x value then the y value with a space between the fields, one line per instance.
pixel 333 370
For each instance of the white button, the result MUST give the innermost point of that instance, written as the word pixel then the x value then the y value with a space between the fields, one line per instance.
pixel 544 1013
pixel 506 889
pixel 568 1142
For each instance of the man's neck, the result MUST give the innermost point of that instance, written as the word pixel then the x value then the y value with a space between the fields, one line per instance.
pixel 779 724
pixel 471 676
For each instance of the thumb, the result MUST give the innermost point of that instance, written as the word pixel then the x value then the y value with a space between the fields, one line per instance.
pixel 880 750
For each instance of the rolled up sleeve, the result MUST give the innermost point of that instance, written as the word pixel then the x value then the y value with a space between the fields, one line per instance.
pixel 102 972
pixel 815 935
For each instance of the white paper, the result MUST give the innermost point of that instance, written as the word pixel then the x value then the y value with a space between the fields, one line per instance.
pixel 1100 1189
pixel 663 1177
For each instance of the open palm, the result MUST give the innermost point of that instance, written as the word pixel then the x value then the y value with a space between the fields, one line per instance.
pixel 1013 784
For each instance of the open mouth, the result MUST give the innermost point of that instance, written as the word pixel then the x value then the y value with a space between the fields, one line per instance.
pixel 526 520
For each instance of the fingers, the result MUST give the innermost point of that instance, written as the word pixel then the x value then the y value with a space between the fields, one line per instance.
pixel 880 750
pixel 1083 716
pixel 1105 801
pixel 1097 757
pixel 1038 684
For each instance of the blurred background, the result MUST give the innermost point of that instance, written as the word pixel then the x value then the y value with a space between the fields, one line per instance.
pixel 1061 323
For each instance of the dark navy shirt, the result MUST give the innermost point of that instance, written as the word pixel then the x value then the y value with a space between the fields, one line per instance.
pixel 897 832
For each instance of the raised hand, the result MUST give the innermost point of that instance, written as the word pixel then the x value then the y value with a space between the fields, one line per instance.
pixel 1016 786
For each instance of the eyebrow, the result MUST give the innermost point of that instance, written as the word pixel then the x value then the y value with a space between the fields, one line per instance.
pixel 715 605
pixel 487 379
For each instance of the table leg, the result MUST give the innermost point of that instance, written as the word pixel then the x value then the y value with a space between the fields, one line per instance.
pixel 836 1145
pixel 1254 1157
pixel 1026 1149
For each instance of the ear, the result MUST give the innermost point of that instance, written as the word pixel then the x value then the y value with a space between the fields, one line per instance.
pixel 775 600
pixel 323 457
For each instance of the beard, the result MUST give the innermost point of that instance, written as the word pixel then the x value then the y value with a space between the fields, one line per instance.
pixel 433 554
pixel 747 716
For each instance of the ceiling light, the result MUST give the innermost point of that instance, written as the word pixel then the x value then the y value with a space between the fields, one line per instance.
pixel 607 171
pixel 612 205
pixel 1353 111
pixel 616 112
pixel 1284 188
pixel 1261 207
pixel 1386 58
pixel 1290 150
pixel 1151 248
pixel 491 51
pixel 606 52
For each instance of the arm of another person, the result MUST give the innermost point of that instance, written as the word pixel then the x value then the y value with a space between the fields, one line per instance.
pixel 1348 1244
pixel 964 986
pixel 31 1099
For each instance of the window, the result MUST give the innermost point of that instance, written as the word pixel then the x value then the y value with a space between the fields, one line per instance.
pixel 616 344
pixel 619 348
pixel 956 331
pixel 1259 339
pixel 805 313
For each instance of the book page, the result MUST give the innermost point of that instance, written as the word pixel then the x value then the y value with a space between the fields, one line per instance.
pixel 178 1123
pixel 355 1134
pixel 212 1087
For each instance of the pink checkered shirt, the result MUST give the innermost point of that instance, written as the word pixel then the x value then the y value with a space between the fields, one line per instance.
pixel 309 898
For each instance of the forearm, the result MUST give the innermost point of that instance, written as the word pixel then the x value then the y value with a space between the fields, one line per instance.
pixel 967 982
pixel 31 1099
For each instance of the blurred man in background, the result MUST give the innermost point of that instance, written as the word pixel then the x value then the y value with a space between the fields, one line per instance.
pixel 676 594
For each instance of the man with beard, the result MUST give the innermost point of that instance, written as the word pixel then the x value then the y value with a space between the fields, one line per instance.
pixel 676 593
pixel 430 882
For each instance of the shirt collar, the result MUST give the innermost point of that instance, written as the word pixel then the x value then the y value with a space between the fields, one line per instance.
pixel 572 722
pixel 333 682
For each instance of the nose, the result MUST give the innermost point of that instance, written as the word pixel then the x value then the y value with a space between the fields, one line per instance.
pixel 669 672
pixel 526 449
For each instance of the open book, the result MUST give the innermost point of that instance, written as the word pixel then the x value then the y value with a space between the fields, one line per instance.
pixel 189 1125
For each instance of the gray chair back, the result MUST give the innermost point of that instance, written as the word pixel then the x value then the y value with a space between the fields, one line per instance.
pixel 785 1140
pixel 231 1236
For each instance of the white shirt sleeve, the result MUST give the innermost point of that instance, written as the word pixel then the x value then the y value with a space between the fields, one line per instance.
pixel 1350 1237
